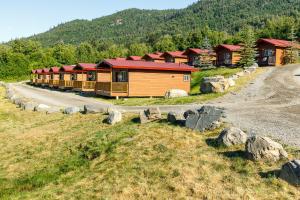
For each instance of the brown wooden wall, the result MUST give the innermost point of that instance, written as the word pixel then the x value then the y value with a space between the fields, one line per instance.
pixel 103 77
pixel 155 83
pixel 55 76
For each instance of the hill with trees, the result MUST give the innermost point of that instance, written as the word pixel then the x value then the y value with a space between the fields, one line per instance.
pixel 136 25
pixel 204 24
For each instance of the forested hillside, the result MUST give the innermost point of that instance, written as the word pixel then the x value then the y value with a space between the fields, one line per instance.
pixel 135 32
pixel 135 25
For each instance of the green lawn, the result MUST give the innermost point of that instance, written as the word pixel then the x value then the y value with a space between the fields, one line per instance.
pixel 195 97
pixel 78 157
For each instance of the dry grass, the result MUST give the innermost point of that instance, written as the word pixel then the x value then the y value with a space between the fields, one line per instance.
pixel 78 157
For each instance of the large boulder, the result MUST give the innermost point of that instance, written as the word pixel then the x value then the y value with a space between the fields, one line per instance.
pixel 114 117
pixel 216 84
pixel 207 118
pixel 251 69
pixel 290 172
pixel 263 148
pixel 247 73
pixel 19 101
pixel 231 82
pixel 149 115
pixel 232 136
pixel 92 109
pixel 176 117
pixel 46 109
pixel 71 110
pixel 174 93
pixel 240 74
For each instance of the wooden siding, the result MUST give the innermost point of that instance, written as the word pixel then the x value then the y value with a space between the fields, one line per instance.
pixel 155 83
pixel 279 56
pixel 234 57
pixel 103 77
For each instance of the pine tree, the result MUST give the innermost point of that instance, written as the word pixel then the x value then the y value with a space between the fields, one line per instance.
pixel 248 52
pixel 291 52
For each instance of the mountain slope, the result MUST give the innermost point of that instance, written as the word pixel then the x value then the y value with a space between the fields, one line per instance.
pixel 134 24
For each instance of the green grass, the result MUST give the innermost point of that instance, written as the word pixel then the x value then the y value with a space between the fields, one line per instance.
pixel 79 157
pixel 195 97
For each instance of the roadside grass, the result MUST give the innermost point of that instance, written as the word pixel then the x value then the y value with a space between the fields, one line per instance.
pixel 196 96
pixel 79 157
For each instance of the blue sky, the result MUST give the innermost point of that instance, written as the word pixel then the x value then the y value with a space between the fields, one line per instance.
pixel 22 18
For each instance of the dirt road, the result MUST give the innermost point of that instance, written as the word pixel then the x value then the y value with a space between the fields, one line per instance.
pixel 268 106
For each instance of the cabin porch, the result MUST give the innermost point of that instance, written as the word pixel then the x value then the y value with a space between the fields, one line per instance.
pixel 84 86
pixel 112 89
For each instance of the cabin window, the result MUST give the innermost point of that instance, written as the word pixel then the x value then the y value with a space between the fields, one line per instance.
pixel 52 76
pixel 91 76
pixel 61 77
pixel 268 52
pixel 73 77
pixel 121 76
pixel 39 76
pixel 186 77
pixel 227 58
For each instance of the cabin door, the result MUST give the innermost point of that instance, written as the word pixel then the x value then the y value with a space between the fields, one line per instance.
pixel 269 57
pixel 227 58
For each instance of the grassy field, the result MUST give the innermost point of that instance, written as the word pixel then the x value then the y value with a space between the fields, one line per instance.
pixel 195 97
pixel 79 157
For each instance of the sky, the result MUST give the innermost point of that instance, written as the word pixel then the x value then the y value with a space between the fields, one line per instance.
pixel 23 18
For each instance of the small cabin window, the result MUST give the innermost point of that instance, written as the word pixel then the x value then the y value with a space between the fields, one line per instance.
pixel 73 77
pixel 186 77
pixel 61 77
pixel 52 76
pixel 122 76
pixel 91 76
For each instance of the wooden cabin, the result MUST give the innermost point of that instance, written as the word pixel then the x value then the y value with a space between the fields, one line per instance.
pixel 85 79
pixel 271 52
pixel 134 58
pixel 39 75
pixel 200 57
pixel 66 77
pixel 228 55
pixel 141 78
pixel 45 77
pixel 175 57
pixel 154 57
pixel 54 77
pixel 33 77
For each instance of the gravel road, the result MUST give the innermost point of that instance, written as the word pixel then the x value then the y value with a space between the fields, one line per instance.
pixel 268 106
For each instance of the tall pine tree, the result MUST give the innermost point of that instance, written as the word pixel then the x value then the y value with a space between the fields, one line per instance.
pixel 248 52
pixel 291 52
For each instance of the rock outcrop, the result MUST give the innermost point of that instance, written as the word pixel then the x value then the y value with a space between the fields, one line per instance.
pixel 114 117
pixel 232 136
pixel 290 172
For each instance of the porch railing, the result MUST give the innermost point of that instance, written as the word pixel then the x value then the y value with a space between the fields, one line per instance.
pixel 54 82
pixel 68 84
pixel 38 81
pixel 114 87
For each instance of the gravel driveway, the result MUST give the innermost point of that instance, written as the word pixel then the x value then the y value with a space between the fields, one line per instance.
pixel 269 106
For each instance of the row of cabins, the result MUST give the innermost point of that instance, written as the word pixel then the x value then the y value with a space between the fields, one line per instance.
pixel 153 74
pixel 118 78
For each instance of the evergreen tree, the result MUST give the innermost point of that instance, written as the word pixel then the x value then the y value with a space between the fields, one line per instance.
pixel 248 52
pixel 291 52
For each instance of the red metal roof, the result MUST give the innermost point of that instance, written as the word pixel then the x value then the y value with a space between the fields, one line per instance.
pixel 279 43
pixel 67 68
pixel 39 71
pixel 33 71
pixel 129 64
pixel 199 51
pixel 45 71
pixel 120 58
pixel 54 69
pixel 136 58
pixel 174 54
pixel 85 66
pixel 154 56
pixel 230 47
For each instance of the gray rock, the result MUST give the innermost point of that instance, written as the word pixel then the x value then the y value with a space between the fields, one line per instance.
pixel 176 118
pixel 149 115
pixel 247 73
pixel 18 101
pixel 234 77
pixel 216 84
pixel 240 74
pixel 114 117
pixel 175 93
pixel 263 148
pixel 232 136
pixel 28 106
pixel 290 172
pixel 92 109
pixel 231 82
pixel 71 110
pixel 47 109
pixel 189 112
pixel 207 118
pixel 250 69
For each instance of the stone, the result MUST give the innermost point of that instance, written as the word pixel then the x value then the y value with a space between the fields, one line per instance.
pixel 175 93
pixel 176 118
pixel 189 112
pixel 114 117
pixel 207 118
pixel 18 101
pixel 234 77
pixel 71 110
pixel 149 115
pixel 92 109
pixel 41 108
pixel 240 74
pixel 216 84
pixel 231 82
pixel 250 69
pixel 263 148
pixel 255 65
pixel 232 136
pixel 247 73
pixel 28 106
pixel 290 172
